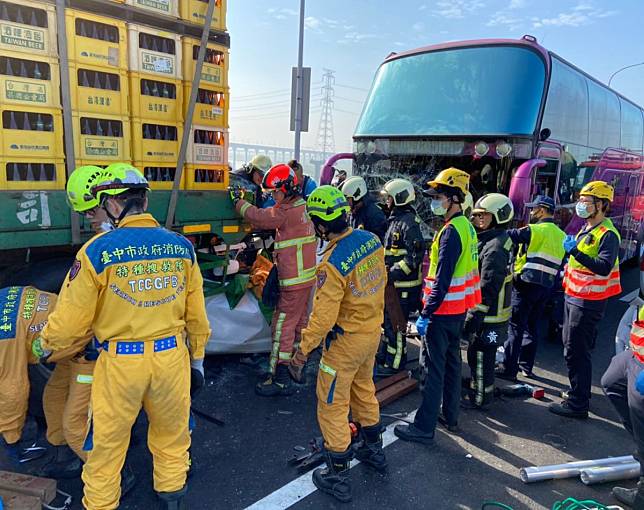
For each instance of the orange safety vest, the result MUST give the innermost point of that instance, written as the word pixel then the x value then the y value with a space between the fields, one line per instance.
pixel 637 336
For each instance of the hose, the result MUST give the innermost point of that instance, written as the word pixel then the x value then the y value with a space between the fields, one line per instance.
pixel 567 504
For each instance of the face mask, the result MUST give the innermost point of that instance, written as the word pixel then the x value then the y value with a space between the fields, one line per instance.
pixel 534 218
pixel 437 208
pixel 582 210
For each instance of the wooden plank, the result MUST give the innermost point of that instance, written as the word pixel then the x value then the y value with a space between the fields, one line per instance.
pixel 392 379
pixel 395 391
pixel 15 501
pixel 42 488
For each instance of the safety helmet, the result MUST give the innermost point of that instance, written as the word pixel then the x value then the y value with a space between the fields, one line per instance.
pixel 119 178
pixel 326 203
pixel 497 205
pixel 468 204
pixel 452 178
pixel 260 162
pixel 598 189
pixel 354 187
pixel 280 177
pixel 401 190
pixel 79 187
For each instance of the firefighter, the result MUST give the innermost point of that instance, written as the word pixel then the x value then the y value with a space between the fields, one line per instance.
pixel 591 277
pixel 347 315
pixel 138 288
pixel 538 263
pixel 307 183
pixel 452 288
pixel 365 214
pixel 623 384
pixel 486 325
pixel 294 256
pixel 253 173
pixel 404 251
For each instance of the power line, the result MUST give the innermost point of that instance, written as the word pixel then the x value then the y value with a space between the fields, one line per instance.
pixel 346 111
pixel 351 87
pixel 271 93
pixel 347 99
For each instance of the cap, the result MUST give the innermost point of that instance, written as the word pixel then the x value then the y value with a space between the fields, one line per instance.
pixel 542 201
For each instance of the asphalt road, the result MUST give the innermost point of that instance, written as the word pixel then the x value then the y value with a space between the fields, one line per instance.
pixel 245 460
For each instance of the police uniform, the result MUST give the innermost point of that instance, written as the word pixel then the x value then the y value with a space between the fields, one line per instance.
pixel 138 288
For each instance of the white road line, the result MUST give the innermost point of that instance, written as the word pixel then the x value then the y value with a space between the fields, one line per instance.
pixel 301 487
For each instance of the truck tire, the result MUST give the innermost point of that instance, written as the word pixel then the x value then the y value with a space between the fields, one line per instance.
pixel 46 275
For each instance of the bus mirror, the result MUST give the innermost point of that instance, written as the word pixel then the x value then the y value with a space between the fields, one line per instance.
pixel 544 134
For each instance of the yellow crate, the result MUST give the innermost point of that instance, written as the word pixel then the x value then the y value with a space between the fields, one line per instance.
pixel 28 27
pixel 160 174
pixel 154 51
pixel 33 82
pixel 207 146
pixel 195 12
pixel 148 99
pixel 94 144
pixel 32 174
pixel 96 40
pixel 31 132
pixel 215 67
pixel 211 108
pixel 157 148
pixel 167 7
pixel 93 90
pixel 206 177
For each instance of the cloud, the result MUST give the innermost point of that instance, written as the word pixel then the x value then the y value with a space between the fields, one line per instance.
pixel 400 44
pixel 456 9
pixel 355 37
pixel 422 7
pixel 503 19
pixel 418 27
pixel 313 23
pixel 517 4
pixel 581 15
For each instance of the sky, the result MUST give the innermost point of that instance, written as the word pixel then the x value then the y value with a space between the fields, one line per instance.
pixel 352 37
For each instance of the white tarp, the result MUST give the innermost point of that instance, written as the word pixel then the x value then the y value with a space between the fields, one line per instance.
pixel 240 330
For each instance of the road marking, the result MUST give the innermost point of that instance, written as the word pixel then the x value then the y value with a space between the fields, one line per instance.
pixel 630 296
pixel 296 490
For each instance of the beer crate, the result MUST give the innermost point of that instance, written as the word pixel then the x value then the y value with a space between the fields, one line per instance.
pixel 101 137
pixel 167 7
pixel 155 142
pixel 206 177
pixel 156 98
pixel 207 146
pixel 160 174
pixel 33 82
pixel 211 108
pixel 215 66
pixel 154 52
pixel 96 40
pixel 195 12
pixel 28 27
pixel 31 132
pixel 18 173
pixel 99 90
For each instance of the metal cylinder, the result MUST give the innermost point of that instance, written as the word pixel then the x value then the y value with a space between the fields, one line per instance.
pixel 603 474
pixel 568 470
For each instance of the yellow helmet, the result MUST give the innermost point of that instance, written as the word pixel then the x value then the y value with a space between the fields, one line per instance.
pixel 401 190
pixel 261 162
pixel 454 178
pixel 598 189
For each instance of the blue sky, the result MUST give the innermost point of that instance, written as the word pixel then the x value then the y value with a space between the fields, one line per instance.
pixel 352 37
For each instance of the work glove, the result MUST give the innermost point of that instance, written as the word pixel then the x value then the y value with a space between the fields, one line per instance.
pixel 639 383
pixel 473 324
pixel 38 351
pixel 236 193
pixel 421 325
pixel 569 243
pixel 197 378
pixel 296 366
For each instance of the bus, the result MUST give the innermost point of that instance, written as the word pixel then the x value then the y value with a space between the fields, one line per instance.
pixel 517 117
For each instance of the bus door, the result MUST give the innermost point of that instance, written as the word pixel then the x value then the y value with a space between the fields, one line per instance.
pixel 545 178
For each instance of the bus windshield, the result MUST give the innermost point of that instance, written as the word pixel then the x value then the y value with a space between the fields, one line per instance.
pixel 488 90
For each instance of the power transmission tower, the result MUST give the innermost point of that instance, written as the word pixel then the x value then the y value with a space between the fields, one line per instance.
pixel 326 139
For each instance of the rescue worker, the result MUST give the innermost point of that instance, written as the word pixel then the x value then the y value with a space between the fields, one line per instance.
pixel 404 251
pixel 306 183
pixel 347 315
pixel 339 176
pixel 591 277
pixel 486 325
pixel 365 214
pixel 539 260
pixel 294 256
pixel 253 173
pixel 623 384
pixel 452 288
pixel 138 288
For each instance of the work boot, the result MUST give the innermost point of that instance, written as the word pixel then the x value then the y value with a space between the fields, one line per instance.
pixel 451 427
pixel 412 433
pixel 501 372
pixel 63 465
pixel 333 478
pixel 369 450
pixel 564 409
pixel 276 385
pixel 128 479
pixel 631 497
pixel 172 500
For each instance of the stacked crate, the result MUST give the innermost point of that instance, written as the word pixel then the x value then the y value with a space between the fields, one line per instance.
pixel 31 138
pixel 156 100
pixel 97 52
pixel 194 11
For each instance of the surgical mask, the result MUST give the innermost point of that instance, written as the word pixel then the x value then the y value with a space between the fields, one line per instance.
pixel 582 210
pixel 437 208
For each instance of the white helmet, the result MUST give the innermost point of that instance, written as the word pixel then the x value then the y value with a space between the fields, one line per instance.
pixel 467 204
pixel 401 190
pixel 354 187
pixel 497 205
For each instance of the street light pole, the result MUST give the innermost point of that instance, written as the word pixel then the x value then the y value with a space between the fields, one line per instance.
pixel 300 86
pixel 623 69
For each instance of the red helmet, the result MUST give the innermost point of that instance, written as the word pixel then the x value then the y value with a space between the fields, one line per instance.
pixel 282 178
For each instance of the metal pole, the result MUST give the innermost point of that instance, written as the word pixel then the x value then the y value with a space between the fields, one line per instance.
pixel 300 85
pixel 67 108
pixel 172 206
pixel 623 69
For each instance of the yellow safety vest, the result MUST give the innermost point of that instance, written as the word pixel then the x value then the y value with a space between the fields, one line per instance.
pixel 541 261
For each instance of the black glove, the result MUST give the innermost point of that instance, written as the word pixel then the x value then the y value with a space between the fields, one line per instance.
pixel 473 324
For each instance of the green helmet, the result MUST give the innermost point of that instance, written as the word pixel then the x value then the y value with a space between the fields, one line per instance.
pixel 79 187
pixel 327 203
pixel 119 178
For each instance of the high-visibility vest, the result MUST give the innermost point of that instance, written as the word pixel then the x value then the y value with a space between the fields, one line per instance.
pixel 541 261
pixel 465 288
pixel 637 336
pixel 582 283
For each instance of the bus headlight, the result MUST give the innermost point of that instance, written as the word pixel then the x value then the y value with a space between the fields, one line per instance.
pixel 503 149
pixel 371 147
pixel 481 149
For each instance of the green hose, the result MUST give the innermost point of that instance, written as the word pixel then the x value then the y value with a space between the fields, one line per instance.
pixel 567 504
